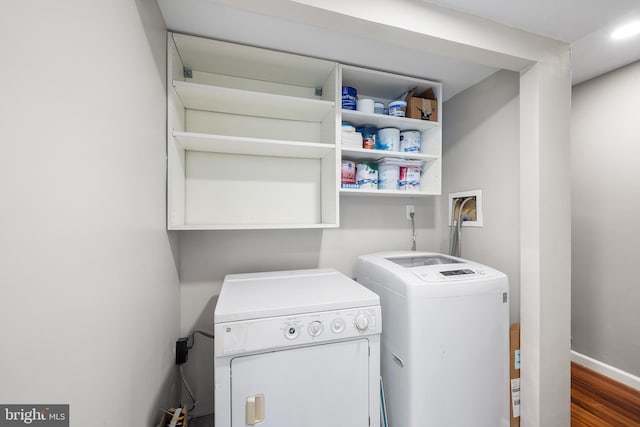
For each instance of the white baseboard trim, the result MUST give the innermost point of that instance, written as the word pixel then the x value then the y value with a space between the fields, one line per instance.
pixel 607 370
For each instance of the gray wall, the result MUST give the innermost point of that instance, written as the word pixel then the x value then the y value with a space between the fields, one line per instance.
pixel 481 152
pixel 88 278
pixel 605 146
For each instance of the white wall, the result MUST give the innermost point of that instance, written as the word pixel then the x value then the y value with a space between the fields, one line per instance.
pixel 481 149
pixel 605 146
pixel 88 275
pixel 368 224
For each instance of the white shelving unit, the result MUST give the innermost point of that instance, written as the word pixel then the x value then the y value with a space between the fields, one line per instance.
pixel 251 138
pixel 386 87
pixel 254 136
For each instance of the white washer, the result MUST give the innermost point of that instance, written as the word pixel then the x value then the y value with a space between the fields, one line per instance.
pixel 445 347
pixel 296 348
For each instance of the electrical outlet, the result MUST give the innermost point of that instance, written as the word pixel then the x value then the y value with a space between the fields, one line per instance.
pixel 410 210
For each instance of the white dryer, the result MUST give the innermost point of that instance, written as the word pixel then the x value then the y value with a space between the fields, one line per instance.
pixel 445 347
pixel 296 348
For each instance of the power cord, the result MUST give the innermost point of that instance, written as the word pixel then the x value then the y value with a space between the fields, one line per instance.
pixel 193 337
pixel 413 230
pixel 186 385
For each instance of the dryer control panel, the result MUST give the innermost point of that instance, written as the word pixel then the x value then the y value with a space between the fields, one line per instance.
pixel 250 336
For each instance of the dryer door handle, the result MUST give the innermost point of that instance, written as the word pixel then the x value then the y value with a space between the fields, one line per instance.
pixel 254 409
pixel 398 360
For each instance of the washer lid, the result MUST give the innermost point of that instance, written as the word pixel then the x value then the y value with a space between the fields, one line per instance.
pixel 282 293
pixel 428 274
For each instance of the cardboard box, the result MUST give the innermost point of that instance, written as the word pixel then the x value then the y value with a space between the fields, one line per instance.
pixel 423 106
pixel 514 374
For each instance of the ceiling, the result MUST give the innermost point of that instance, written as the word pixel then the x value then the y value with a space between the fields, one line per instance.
pixel 585 24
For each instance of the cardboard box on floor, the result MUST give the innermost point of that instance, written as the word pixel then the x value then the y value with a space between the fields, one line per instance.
pixel 514 374
pixel 423 106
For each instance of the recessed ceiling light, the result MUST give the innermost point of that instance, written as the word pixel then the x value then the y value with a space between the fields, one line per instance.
pixel 626 31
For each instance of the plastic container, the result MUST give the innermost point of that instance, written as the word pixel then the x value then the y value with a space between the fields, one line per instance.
pixel 368 136
pixel 397 108
pixel 349 95
pixel 367 175
pixel 409 179
pixel 348 174
pixel 388 175
pixel 388 139
pixel 399 174
pixel 410 141
pixel 365 105
pixel 378 108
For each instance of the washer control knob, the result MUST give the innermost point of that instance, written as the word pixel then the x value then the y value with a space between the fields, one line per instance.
pixel 315 328
pixel 362 322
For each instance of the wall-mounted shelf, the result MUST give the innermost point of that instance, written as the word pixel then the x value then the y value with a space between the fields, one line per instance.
pixel 366 155
pixel 254 136
pixel 385 87
pixel 251 146
pixel 252 226
pixel 251 138
pixel 251 103
pixel 386 193
pixel 383 121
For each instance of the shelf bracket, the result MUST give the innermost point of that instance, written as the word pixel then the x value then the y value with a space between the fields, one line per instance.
pixel 187 73
pixel 318 91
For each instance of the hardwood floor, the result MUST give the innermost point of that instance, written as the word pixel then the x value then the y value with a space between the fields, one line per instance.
pixel 598 401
